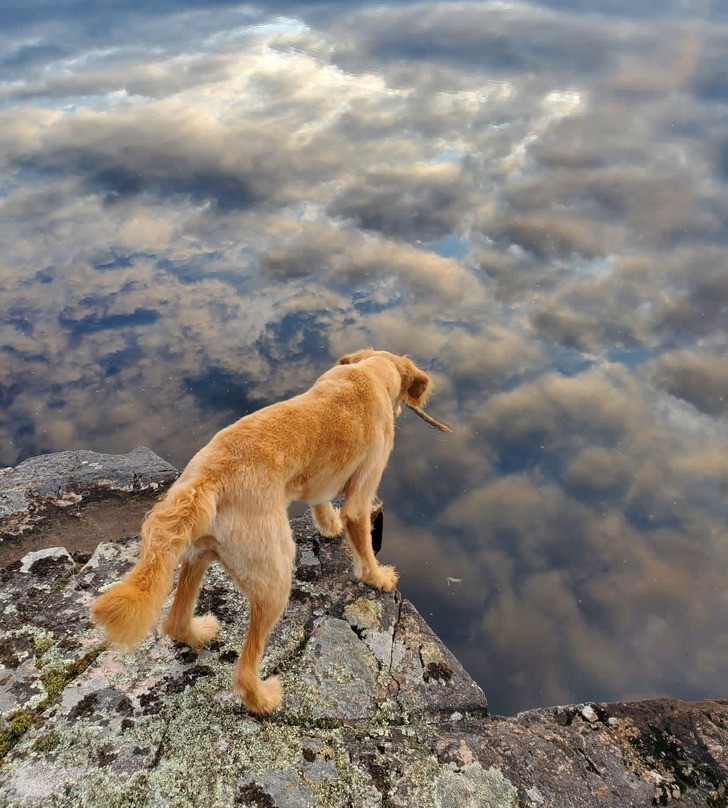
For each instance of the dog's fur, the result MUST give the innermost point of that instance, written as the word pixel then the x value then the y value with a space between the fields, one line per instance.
pixel 230 504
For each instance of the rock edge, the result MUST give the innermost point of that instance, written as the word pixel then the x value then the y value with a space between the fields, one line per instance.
pixel 377 711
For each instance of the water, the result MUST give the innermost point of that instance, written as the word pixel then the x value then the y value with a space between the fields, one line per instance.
pixel 202 207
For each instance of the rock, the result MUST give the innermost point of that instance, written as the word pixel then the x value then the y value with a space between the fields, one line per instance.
pixel 42 484
pixel 589 714
pixel 43 499
pixel 376 710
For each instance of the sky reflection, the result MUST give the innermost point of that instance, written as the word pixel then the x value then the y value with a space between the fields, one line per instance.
pixel 201 209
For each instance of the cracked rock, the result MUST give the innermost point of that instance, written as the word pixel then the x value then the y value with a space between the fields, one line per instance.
pixel 377 711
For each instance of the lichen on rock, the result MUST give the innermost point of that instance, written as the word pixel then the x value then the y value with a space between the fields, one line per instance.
pixel 377 711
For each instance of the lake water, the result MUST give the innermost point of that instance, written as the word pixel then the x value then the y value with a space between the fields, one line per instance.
pixel 203 205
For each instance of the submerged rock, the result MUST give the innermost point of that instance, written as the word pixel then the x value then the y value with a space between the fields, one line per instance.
pixel 377 711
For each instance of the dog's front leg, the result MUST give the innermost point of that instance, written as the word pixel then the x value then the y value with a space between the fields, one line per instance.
pixel 327 520
pixel 366 567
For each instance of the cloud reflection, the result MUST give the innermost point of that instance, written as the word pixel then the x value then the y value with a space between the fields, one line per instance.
pixel 202 209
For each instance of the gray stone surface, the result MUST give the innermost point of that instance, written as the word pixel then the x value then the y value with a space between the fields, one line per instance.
pixel 42 485
pixel 377 712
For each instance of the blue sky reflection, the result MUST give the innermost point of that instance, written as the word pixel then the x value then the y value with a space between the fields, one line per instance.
pixel 202 207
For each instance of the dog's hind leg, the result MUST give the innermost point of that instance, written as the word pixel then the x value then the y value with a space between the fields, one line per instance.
pixel 264 574
pixel 181 624
pixel 327 520
pixel 356 513
pixel 260 696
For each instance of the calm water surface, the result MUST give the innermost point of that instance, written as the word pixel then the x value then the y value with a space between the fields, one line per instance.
pixel 203 205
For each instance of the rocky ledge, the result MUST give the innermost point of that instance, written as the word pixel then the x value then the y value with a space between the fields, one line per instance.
pixel 377 711
pixel 74 499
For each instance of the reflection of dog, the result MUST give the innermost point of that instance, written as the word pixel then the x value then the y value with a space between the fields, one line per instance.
pixel 230 504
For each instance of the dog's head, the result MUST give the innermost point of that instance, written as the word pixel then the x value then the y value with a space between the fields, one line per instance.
pixel 415 386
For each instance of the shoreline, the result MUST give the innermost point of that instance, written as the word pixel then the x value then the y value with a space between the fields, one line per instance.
pixel 377 710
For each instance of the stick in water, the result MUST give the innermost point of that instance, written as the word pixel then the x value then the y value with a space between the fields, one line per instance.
pixel 428 419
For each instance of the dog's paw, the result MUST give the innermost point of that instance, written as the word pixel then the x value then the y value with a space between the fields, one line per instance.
pixel 265 697
pixel 198 632
pixel 332 532
pixel 327 520
pixel 202 630
pixel 382 577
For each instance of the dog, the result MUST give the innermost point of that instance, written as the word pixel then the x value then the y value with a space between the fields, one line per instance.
pixel 230 505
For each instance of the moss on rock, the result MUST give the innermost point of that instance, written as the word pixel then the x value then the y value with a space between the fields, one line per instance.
pixel 377 711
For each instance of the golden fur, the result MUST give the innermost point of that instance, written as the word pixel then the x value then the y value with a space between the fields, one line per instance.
pixel 230 504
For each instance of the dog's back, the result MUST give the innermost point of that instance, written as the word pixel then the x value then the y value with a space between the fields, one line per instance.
pixel 307 447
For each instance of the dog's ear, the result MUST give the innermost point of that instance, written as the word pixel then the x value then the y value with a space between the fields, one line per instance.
pixel 419 387
pixel 350 359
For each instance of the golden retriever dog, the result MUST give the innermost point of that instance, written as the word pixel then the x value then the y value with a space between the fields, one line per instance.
pixel 230 505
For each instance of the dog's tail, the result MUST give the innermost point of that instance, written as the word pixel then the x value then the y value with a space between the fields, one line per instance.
pixel 129 610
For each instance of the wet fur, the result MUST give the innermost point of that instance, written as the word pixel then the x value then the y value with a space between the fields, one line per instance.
pixel 230 505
